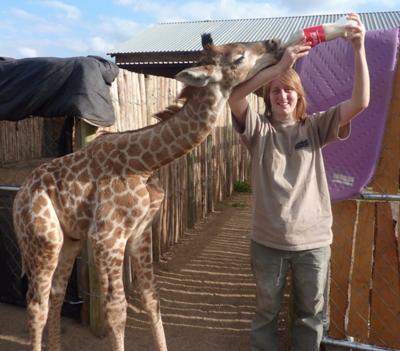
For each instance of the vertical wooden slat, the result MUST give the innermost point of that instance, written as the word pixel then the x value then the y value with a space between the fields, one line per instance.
pixel 184 191
pixel 143 100
pixel 176 227
pixel 387 175
pixel 115 100
pixel 385 299
pixel 148 90
pixel 359 309
pixel 210 174
pixel 132 92
pixel 191 217
pixel 344 216
pixel 121 96
pixel 156 233
pixel 199 191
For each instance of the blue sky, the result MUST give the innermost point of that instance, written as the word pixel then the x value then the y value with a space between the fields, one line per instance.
pixel 31 28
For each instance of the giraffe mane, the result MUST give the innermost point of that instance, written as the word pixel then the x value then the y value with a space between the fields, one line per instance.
pixel 186 93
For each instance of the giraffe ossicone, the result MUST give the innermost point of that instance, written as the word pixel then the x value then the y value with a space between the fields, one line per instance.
pixel 107 193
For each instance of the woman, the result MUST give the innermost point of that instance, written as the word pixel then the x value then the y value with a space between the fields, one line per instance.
pixel 292 216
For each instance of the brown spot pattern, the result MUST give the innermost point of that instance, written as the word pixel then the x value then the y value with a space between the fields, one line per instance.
pixel 166 136
pixel 124 200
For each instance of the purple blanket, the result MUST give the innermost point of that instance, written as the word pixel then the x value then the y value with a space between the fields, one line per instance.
pixel 327 75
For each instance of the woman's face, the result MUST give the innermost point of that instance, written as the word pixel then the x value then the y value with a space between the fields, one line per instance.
pixel 283 101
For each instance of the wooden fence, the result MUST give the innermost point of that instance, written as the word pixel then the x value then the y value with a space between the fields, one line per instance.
pixel 26 144
pixel 365 266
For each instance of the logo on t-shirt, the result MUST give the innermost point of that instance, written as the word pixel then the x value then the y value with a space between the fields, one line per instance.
pixel 302 144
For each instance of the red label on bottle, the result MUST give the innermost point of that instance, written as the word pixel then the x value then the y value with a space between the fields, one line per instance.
pixel 314 35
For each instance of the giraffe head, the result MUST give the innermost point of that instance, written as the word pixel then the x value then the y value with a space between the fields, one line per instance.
pixel 230 64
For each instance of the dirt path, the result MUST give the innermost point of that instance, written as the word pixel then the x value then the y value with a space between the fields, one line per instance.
pixel 206 287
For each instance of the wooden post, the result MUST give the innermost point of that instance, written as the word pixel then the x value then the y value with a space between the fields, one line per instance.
pixel 359 305
pixel 387 175
pixel 93 307
pixel 210 174
pixel 191 202
pixel 385 295
pixel 156 234
pixel 344 221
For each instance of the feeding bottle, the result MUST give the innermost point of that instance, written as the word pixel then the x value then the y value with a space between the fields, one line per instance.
pixel 321 33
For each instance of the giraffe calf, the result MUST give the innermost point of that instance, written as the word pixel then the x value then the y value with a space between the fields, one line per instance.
pixel 107 193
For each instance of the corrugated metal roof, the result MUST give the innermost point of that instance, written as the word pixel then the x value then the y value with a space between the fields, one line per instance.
pixel 185 36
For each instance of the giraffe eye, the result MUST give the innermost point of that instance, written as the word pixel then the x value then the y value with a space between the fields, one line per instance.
pixel 238 60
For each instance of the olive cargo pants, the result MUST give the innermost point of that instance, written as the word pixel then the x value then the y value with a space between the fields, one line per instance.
pixel 310 269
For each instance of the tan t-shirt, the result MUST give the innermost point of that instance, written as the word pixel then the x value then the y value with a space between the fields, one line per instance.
pixel 292 209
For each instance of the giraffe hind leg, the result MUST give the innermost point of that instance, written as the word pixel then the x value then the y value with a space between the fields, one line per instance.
pixel 41 265
pixel 69 251
pixel 40 239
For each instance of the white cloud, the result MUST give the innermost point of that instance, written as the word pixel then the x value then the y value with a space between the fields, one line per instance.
pixel 28 52
pixel 197 10
pixel 35 24
pixel 125 2
pixel 177 10
pixel 391 3
pixel 129 3
pixel 322 7
pixel 76 45
pixel 51 28
pixel 70 11
pixel 22 14
pixel 109 32
pixel 232 9
pixel 98 44
pixel 117 27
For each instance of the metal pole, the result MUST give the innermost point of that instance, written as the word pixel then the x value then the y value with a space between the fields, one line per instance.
pixel 380 197
pixel 9 187
pixel 351 345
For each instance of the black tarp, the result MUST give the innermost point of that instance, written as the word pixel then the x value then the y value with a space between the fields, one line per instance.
pixel 55 87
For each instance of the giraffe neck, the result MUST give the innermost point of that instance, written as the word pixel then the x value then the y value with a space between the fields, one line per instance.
pixel 175 137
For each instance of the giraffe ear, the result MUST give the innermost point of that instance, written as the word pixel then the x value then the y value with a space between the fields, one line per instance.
pixel 199 76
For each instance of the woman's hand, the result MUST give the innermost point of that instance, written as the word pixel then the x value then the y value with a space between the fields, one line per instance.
pixel 356 32
pixel 292 54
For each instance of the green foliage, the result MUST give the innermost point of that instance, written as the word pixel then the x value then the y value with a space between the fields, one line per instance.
pixel 242 186
pixel 239 205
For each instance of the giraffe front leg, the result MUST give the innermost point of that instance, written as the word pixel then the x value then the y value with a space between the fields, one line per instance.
pixel 140 252
pixel 37 309
pixel 66 261
pixel 109 262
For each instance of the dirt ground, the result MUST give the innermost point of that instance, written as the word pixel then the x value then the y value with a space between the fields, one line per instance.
pixel 206 288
